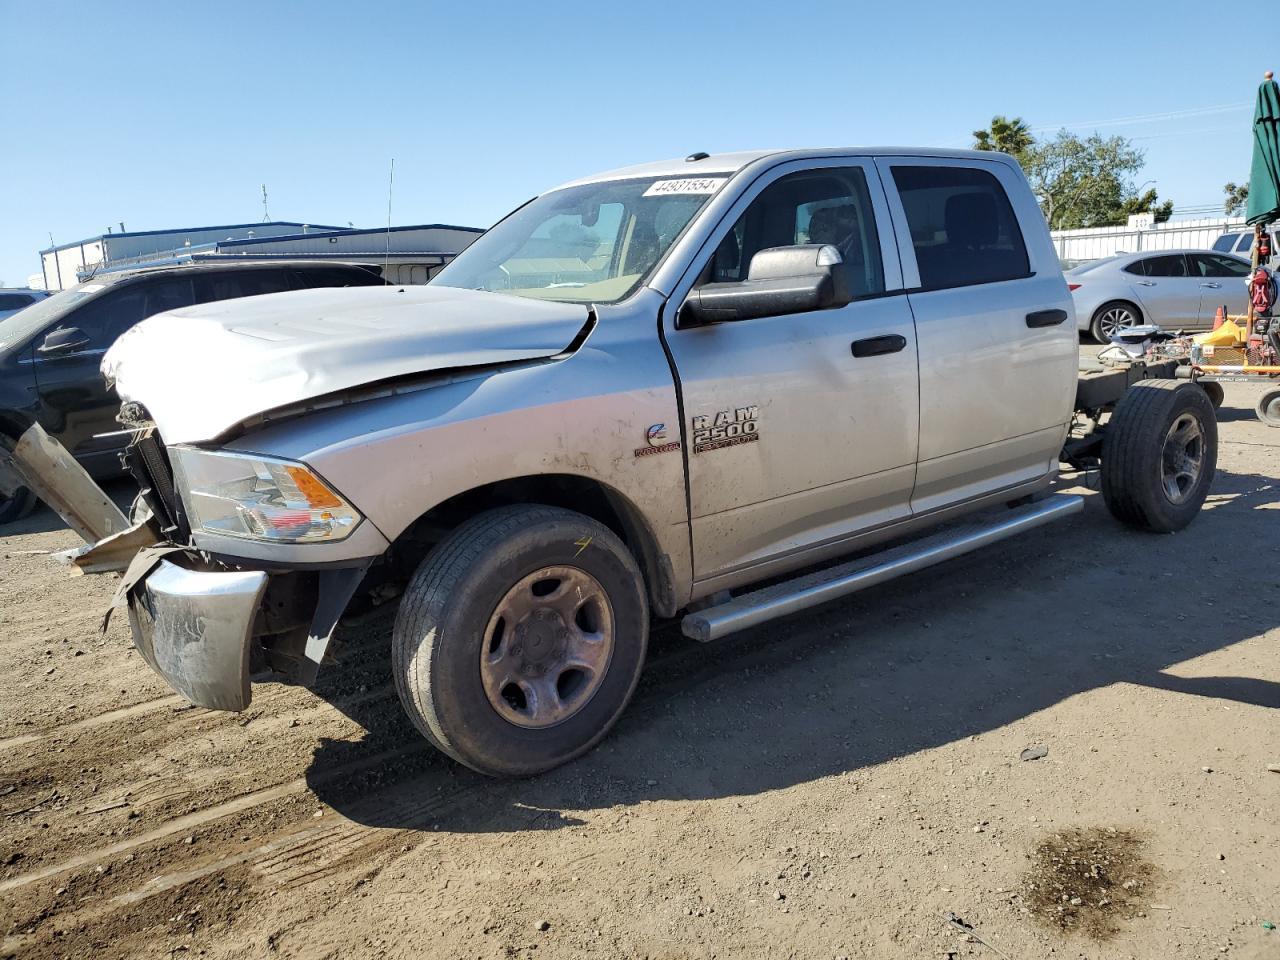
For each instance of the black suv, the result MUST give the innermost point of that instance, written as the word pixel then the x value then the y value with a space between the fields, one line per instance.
pixel 50 352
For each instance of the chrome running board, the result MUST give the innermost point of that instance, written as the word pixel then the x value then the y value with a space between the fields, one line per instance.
pixel 812 589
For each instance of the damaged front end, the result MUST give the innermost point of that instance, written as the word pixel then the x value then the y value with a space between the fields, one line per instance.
pixel 203 621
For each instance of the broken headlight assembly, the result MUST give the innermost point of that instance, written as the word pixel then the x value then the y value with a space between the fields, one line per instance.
pixel 259 498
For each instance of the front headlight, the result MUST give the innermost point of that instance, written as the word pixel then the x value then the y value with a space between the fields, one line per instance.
pixel 259 498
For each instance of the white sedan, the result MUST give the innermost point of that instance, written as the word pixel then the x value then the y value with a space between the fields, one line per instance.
pixel 1177 289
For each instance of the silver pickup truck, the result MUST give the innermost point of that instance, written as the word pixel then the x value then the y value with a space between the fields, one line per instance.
pixel 641 393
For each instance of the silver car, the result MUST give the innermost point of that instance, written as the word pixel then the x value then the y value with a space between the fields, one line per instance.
pixel 1177 289
pixel 13 299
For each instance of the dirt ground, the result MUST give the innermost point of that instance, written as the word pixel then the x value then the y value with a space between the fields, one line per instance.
pixel 834 785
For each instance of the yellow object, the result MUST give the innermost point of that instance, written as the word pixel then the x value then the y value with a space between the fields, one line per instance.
pixel 1229 334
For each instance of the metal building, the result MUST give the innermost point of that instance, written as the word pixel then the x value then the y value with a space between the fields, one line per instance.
pixel 411 254
pixel 64 263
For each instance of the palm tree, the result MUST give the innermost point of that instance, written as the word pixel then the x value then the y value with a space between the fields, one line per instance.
pixel 1006 134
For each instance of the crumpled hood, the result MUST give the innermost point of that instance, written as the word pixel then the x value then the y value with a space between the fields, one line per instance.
pixel 201 370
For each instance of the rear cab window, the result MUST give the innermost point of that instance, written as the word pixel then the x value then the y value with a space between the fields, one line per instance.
pixel 1226 242
pixel 963 228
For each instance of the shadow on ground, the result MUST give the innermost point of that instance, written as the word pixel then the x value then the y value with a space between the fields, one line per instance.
pixel 961 649
pixel 43 520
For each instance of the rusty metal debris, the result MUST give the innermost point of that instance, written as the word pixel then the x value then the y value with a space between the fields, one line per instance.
pixel 964 927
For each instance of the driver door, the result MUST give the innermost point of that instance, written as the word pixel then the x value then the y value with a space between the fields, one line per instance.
pixel 801 430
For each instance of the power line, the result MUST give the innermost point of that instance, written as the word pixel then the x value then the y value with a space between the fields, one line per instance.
pixel 1149 117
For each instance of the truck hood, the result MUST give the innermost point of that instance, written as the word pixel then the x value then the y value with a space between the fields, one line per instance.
pixel 199 371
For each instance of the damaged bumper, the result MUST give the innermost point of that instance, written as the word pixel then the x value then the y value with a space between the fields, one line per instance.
pixel 195 628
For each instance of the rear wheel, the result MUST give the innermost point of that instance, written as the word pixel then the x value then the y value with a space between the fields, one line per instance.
pixel 1112 317
pixel 1214 391
pixel 1159 455
pixel 1269 408
pixel 520 639
pixel 16 507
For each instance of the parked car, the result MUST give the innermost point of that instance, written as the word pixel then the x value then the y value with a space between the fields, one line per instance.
pixel 1177 289
pixel 1240 243
pixel 13 299
pixel 636 393
pixel 51 351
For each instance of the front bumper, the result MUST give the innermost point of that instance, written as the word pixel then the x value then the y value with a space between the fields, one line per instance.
pixel 195 627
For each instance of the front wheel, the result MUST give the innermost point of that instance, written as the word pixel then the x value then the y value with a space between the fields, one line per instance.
pixel 17 506
pixel 520 639
pixel 1159 454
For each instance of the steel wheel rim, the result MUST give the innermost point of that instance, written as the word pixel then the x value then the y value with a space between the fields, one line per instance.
pixel 547 647
pixel 1117 318
pixel 1182 459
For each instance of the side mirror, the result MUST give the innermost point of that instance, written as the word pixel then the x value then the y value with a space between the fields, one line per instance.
pixel 63 341
pixel 781 280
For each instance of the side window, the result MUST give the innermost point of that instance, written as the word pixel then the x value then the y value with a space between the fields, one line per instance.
pixel 1169 265
pixel 1226 242
pixel 241 283
pixel 162 295
pixel 104 319
pixel 829 206
pixel 332 277
pixel 1246 244
pixel 1212 265
pixel 15 301
pixel 962 226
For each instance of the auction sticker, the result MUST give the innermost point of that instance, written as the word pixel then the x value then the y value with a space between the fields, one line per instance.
pixel 703 185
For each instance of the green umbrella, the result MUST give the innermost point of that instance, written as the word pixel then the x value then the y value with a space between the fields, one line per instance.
pixel 1264 177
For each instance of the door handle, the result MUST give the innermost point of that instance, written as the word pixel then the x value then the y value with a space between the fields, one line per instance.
pixel 1146 283
pixel 1212 286
pixel 1046 318
pixel 877 346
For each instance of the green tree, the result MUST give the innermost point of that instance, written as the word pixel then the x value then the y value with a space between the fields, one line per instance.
pixel 1082 181
pixel 1009 135
pixel 1146 203
pixel 1235 199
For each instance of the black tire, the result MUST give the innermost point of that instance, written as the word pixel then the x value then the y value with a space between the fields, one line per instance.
pixel 1101 318
pixel 13 509
pixel 1269 408
pixel 1138 455
pixel 443 625
pixel 1214 391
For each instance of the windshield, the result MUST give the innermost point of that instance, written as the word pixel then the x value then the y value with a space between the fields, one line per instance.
pixel 34 318
pixel 593 243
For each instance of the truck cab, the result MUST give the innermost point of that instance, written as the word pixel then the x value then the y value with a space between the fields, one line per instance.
pixel 641 393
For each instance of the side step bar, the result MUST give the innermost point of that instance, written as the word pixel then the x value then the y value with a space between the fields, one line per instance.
pixel 812 589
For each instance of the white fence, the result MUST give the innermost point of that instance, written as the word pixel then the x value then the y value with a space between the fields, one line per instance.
pixel 1091 243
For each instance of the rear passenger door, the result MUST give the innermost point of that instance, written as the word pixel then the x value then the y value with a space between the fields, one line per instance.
pixel 998 353
pixel 1166 290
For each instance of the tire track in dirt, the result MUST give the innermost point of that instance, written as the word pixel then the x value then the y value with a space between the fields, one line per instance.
pixel 122 714
pixel 293 856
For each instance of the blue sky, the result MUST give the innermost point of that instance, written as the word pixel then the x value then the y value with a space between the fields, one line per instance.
pixel 172 115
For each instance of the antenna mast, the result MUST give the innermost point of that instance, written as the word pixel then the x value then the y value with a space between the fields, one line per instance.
pixel 391 183
pixel 266 217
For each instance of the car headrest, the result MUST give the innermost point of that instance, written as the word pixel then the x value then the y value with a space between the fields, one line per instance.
pixel 971 220
pixel 833 225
